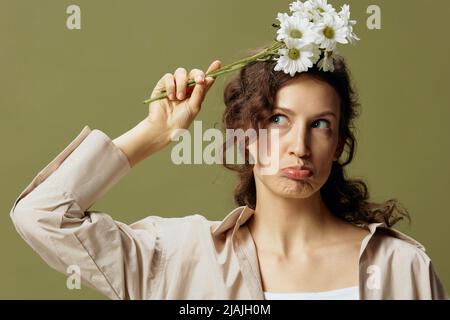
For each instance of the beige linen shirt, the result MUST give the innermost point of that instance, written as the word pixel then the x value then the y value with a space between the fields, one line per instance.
pixel 177 258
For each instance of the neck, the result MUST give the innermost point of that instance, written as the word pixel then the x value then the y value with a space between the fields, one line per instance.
pixel 285 225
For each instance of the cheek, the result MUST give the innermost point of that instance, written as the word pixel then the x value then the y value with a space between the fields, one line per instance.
pixel 323 161
pixel 324 143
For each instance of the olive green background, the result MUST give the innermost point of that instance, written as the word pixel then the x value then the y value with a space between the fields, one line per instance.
pixel 54 81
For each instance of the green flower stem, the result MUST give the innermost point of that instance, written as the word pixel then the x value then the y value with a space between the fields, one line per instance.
pixel 264 55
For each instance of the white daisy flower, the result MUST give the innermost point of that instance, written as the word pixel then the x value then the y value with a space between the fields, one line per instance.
pixel 297 6
pixel 299 9
pixel 297 28
pixel 306 14
pixel 345 16
pixel 296 57
pixel 313 28
pixel 331 30
pixel 327 62
pixel 282 17
pixel 319 6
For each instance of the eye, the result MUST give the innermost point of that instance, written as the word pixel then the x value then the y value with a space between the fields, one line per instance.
pixel 278 119
pixel 322 120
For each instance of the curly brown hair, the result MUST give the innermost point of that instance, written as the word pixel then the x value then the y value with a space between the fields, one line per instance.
pixel 249 97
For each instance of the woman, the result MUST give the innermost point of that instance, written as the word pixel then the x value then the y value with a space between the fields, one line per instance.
pixel 304 232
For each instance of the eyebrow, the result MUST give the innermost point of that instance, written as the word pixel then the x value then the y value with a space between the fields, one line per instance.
pixel 325 113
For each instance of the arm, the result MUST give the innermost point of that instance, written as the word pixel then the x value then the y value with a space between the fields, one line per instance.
pixel 140 142
pixel 52 215
pixel 438 291
pixel 426 284
pixel 167 115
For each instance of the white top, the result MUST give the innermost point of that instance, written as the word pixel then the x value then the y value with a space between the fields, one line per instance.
pixel 350 293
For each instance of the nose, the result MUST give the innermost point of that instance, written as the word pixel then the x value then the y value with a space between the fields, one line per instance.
pixel 299 142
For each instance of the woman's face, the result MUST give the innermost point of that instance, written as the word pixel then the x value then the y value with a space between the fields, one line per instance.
pixel 306 113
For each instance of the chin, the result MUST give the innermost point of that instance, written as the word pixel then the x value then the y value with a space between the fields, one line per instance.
pixel 289 188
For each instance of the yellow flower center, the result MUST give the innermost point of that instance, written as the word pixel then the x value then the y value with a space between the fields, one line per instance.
pixel 296 34
pixel 294 53
pixel 328 32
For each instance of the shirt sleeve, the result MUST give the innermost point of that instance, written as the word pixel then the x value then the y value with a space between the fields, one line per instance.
pixel 52 216
pixel 438 291
pixel 426 284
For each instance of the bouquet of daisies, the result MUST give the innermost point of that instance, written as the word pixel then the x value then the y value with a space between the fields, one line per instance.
pixel 308 36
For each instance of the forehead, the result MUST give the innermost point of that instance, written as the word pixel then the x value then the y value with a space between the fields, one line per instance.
pixel 307 95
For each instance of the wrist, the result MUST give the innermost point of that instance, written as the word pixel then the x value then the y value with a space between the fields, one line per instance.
pixel 141 141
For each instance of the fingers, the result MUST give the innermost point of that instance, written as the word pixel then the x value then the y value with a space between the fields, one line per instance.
pixel 166 83
pixel 212 67
pixel 176 86
pixel 169 84
pixel 180 82
pixel 198 92
pixel 197 75
pixel 201 88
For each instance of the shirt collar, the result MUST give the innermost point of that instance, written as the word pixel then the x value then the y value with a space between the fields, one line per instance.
pixel 245 248
pixel 240 215
pixel 237 216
